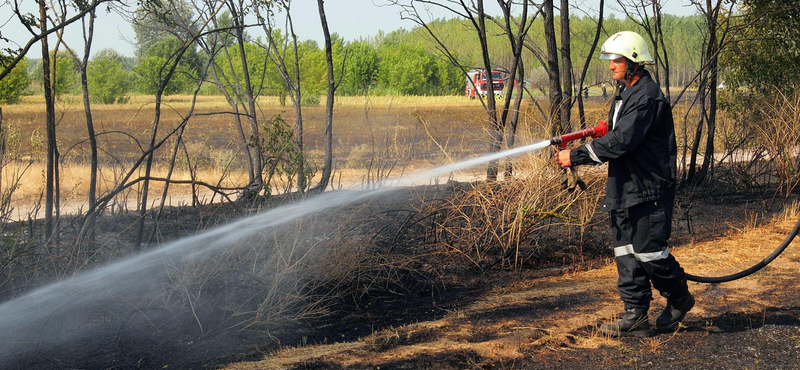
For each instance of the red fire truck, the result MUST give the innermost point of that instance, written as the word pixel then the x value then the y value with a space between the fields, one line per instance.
pixel 477 83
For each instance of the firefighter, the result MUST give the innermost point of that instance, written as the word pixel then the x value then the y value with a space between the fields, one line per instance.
pixel 641 153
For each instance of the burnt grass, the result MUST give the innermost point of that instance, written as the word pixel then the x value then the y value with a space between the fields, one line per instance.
pixel 422 293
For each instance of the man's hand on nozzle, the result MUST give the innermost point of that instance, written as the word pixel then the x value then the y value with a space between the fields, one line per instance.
pixel 562 158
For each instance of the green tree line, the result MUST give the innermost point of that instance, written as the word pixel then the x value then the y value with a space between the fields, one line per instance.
pixel 402 62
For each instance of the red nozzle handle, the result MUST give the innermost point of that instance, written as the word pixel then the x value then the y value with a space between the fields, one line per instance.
pixel 593 132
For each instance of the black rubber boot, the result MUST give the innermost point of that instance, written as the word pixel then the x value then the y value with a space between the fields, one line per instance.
pixel 632 323
pixel 674 313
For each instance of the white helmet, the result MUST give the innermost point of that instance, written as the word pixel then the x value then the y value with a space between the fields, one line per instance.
pixel 629 45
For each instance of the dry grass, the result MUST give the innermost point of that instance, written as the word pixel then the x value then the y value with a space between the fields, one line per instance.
pixel 374 137
pixel 779 134
pixel 362 131
pixel 30 178
pixel 488 224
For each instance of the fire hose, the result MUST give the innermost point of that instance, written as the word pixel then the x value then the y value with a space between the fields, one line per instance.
pixel 600 130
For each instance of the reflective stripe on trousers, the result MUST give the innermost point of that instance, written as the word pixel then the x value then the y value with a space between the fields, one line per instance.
pixel 641 257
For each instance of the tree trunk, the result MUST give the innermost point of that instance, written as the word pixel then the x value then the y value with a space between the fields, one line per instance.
pixel 148 168
pixel 511 133
pixel 566 68
pixel 291 79
pixel 708 91
pixel 298 109
pixel 552 69
pixel 599 29
pixel 2 161
pixel 712 53
pixel 692 175
pixel 327 167
pixel 211 52
pixel 491 104
pixel 50 123
pixel 165 192
pixel 659 43
pixel 517 69
pixel 89 230
pixel 254 145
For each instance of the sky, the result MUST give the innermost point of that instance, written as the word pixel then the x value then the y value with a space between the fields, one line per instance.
pixel 351 19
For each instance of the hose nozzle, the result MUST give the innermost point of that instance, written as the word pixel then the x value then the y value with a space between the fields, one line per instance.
pixel 594 132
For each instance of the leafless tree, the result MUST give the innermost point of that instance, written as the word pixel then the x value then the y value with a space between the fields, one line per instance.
pixel 718 29
pixel 245 94
pixel 556 125
pixel 82 62
pixel 597 33
pixel 248 95
pixel 566 67
pixel 327 167
pixel 2 166
pixel 187 33
pixel 37 32
pixel 179 143
pixel 239 91
pixel 523 39
pixel 50 122
pixel 516 72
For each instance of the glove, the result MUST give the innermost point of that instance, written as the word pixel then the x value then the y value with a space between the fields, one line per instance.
pixel 570 180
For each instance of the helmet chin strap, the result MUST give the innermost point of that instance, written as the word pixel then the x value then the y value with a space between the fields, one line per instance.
pixel 632 70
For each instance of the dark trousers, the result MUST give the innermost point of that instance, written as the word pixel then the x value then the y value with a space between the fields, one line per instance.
pixel 642 254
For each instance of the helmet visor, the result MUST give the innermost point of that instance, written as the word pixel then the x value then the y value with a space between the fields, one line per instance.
pixel 610 56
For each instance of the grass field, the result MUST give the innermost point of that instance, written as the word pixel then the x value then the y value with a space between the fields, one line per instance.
pixel 394 133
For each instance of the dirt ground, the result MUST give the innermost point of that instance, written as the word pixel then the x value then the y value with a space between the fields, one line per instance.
pixel 532 318
pixel 524 320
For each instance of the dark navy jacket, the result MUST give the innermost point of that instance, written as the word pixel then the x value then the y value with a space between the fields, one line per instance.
pixel 640 148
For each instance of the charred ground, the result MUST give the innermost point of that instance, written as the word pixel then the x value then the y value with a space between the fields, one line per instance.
pixel 441 314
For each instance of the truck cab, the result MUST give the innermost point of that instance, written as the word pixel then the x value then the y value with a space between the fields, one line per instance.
pixel 477 82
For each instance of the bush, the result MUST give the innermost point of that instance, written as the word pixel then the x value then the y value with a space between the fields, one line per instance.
pixel 13 85
pixel 408 69
pixel 309 100
pixel 108 81
pixel 281 159
pixel 361 68
pixel 67 75
pixel 151 74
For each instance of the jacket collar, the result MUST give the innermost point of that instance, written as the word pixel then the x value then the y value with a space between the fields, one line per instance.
pixel 624 93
